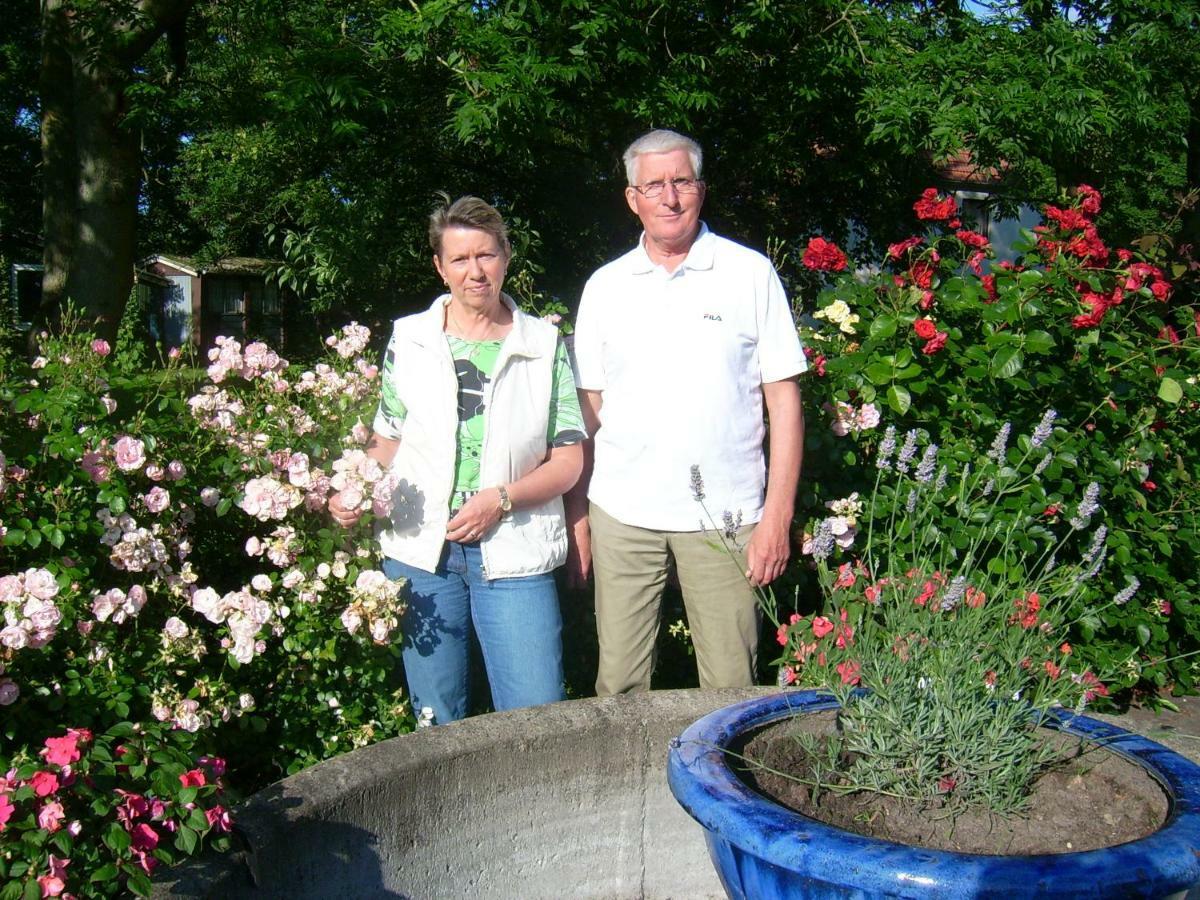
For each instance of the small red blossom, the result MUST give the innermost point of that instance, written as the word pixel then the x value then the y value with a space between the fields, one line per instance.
pixel 1067 219
pixel 989 678
pixel 845 576
pixel 44 783
pixel 975 598
pixel 946 784
pixel 925 328
pixel 1161 291
pixel 144 837
pixel 1051 669
pixel 789 677
pixel 1052 510
pixel 921 274
pixel 1027 610
pixel 934 208
pixel 821 626
pixel 1094 687
pixel 194 778
pixel 926 300
pixel 1149 485
pixel 972 238
pixel 875 591
pixel 935 343
pixel 1167 333
pixel 989 287
pixel 1165 607
pixel 6 810
pixel 1090 199
pixel 1065 649
pixel 61 751
pixel 823 256
pixel 850 671
pixel 897 250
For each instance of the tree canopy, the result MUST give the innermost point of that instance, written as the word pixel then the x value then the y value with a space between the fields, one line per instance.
pixel 318 132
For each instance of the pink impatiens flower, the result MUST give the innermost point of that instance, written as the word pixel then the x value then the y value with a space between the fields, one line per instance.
pixel 61 751
pixel 6 810
pixel 50 816
pixel 44 783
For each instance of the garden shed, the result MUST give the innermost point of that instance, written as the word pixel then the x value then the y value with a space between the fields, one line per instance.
pixel 196 303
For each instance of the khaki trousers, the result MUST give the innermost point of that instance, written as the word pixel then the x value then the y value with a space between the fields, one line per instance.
pixel 630 568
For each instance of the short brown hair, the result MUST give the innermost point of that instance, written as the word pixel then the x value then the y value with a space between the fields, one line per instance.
pixel 467 212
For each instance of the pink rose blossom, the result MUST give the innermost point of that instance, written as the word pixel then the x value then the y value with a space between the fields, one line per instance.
pixel 9 692
pixel 129 453
pixel 155 472
pixel 176 470
pixel 40 583
pixel 210 496
pixel 156 499
pixel 95 466
pixel 51 885
pixel 100 347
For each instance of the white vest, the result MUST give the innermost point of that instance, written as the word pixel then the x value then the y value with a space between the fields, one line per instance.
pixel 516 418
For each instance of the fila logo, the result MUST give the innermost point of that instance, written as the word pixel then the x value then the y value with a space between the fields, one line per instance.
pixel 712 317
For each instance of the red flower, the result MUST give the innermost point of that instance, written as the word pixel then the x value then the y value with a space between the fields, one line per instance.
pixel 1088 247
pixel 932 208
pixel 935 343
pixel 897 250
pixel 1051 669
pixel 823 256
pixel 61 751
pixel 921 273
pixel 194 778
pixel 846 576
pixel 144 837
pixel 926 300
pixel 946 784
pixel 925 328
pixel 1067 219
pixel 975 598
pixel 1090 203
pixel 1027 610
pixel 989 286
pixel 44 783
pixel 1149 485
pixel 1052 510
pixel 821 626
pixel 972 238
pixel 850 671
pixel 1167 333
pixel 1094 687
pixel 1161 291
pixel 6 810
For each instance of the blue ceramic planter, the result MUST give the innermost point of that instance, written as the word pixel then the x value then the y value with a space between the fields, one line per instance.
pixel 763 851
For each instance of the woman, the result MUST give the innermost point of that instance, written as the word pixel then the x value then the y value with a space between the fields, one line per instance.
pixel 478 527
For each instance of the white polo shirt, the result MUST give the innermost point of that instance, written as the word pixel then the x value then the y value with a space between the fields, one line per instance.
pixel 681 358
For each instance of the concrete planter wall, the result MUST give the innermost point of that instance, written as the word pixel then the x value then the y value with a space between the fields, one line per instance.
pixel 562 800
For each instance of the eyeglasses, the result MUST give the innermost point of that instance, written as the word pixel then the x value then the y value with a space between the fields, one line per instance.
pixel 652 190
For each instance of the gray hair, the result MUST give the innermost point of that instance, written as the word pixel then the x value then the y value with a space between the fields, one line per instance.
pixel 662 141
pixel 467 212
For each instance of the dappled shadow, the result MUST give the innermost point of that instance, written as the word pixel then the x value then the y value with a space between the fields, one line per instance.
pixel 408 508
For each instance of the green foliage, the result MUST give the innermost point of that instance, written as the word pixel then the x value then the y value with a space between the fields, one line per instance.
pixel 1097 335
pixel 165 556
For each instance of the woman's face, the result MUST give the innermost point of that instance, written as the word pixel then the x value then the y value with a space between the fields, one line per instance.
pixel 473 265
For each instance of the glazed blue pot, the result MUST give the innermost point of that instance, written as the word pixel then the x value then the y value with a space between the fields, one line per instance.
pixel 764 851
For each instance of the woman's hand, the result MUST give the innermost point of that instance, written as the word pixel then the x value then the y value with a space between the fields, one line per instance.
pixel 477 517
pixel 341 514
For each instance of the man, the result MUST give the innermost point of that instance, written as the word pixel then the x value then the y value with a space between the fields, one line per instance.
pixel 680 344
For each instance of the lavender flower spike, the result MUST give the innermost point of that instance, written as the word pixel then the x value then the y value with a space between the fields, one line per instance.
pixel 924 472
pixel 1126 593
pixel 822 540
pixel 1045 428
pixel 912 501
pixel 883 456
pixel 1088 506
pixel 1000 444
pixel 1043 464
pixel 907 452
pixel 1093 551
pixel 954 593
pixel 697 484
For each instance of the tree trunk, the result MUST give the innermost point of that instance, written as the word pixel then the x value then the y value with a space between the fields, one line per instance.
pixel 91 156
pixel 58 159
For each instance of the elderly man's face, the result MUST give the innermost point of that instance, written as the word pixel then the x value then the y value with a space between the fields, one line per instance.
pixel 672 219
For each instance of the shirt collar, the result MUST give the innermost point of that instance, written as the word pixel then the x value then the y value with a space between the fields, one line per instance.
pixel 700 255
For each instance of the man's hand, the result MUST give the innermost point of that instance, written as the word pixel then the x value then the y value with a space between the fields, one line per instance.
pixel 579 553
pixel 767 553
pixel 343 516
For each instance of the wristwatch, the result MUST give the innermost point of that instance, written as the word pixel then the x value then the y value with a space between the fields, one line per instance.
pixel 505 501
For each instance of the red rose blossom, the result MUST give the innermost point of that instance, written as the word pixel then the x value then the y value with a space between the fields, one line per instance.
pixel 823 256
pixel 931 208
pixel 925 328
pixel 935 343
pixel 897 250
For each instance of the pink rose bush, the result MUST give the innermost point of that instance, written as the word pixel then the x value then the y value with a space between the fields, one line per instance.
pixel 168 562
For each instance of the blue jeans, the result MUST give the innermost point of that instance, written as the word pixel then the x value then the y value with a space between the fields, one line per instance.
pixel 517 621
